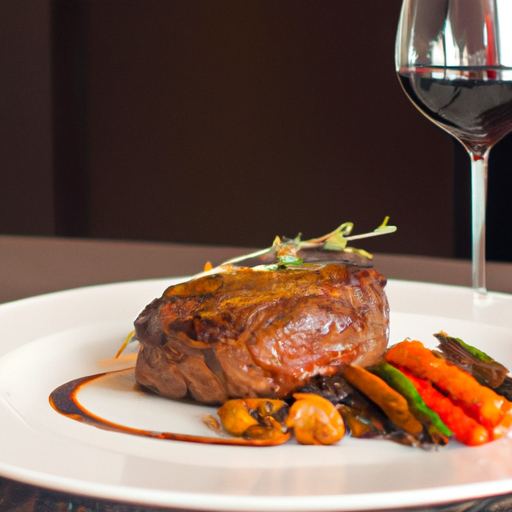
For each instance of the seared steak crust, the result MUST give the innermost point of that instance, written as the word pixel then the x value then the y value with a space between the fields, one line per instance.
pixel 260 333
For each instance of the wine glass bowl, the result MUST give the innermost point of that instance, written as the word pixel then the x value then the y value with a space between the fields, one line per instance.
pixel 454 61
pixel 468 104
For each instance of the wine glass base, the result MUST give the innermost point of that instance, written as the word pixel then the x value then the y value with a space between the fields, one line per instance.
pixel 481 297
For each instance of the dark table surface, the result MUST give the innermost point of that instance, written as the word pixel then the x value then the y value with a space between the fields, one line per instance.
pixel 33 265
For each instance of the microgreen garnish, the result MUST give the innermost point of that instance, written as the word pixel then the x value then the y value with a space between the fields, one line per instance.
pixel 290 260
pixel 126 342
pixel 286 251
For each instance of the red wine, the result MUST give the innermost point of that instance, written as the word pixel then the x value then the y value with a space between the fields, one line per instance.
pixel 470 103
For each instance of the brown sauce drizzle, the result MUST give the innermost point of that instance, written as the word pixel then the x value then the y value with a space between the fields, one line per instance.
pixel 65 401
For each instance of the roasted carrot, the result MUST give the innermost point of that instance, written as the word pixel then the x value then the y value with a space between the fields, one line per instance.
pixel 465 429
pixel 491 410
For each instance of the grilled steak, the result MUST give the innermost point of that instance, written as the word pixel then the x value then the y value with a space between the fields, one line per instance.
pixel 241 332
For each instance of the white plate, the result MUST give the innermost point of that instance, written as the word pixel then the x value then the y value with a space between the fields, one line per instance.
pixel 48 340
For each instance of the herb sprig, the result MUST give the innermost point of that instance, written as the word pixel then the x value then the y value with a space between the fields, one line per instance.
pixel 287 250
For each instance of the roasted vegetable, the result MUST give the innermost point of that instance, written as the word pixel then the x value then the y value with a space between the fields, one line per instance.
pixel 481 403
pixel 437 430
pixel 505 388
pixel 390 401
pixel 486 370
pixel 466 430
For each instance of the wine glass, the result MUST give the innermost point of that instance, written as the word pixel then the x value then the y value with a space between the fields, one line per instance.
pixel 454 61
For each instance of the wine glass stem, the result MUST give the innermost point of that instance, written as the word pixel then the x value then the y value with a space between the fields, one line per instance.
pixel 478 207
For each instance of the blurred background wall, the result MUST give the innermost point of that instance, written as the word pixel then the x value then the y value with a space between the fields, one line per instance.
pixel 225 122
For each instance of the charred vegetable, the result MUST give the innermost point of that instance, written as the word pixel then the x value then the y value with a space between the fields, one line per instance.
pixel 390 401
pixel 437 430
pixel 484 368
pixel 466 430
